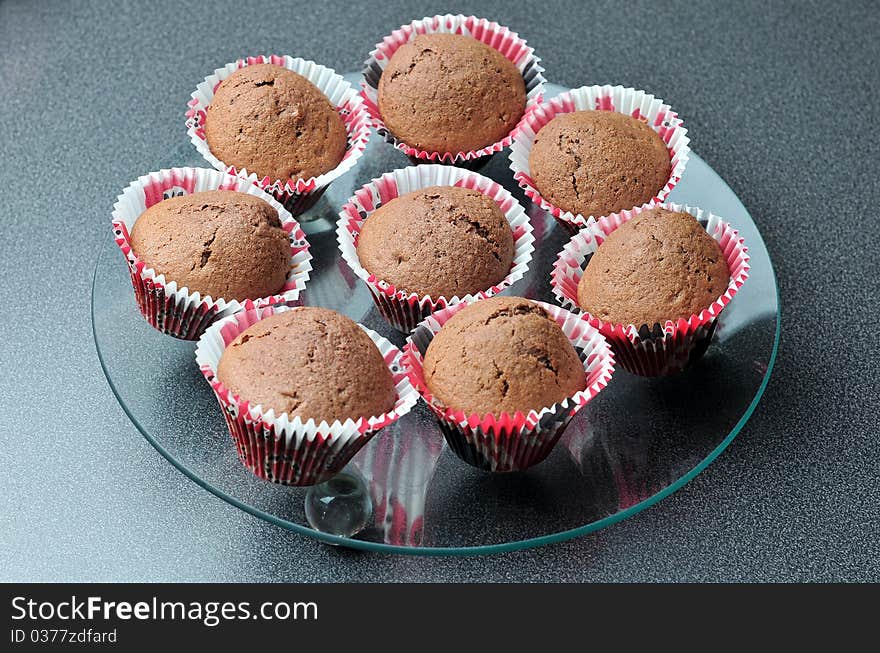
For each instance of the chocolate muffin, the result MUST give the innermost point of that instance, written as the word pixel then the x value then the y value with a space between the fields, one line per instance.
pixel 594 163
pixel 659 266
pixel 450 93
pixel 220 243
pixel 439 241
pixel 309 362
pixel 502 355
pixel 274 122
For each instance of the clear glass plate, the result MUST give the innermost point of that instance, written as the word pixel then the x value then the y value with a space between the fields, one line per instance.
pixel 636 443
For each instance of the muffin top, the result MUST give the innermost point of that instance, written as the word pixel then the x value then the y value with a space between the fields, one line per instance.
pixel 309 362
pixel 598 162
pixel 275 123
pixel 502 355
pixel 450 93
pixel 661 265
pixel 438 241
pixel 220 243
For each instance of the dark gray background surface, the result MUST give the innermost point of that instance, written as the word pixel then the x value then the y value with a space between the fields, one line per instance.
pixel 779 98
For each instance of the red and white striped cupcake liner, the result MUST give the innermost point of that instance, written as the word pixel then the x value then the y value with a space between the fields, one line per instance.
pixel 297 195
pixel 508 43
pixel 505 442
pixel 645 349
pixel 293 451
pixel 628 101
pixel 166 305
pixel 404 310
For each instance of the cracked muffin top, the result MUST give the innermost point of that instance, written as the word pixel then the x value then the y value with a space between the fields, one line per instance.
pixel 274 122
pixel 220 243
pixel 309 362
pixel 450 93
pixel 661 265
pixel 502 355
pixel 594 163
pixel 439 241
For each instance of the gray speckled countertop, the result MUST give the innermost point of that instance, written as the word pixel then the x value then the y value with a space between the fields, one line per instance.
pixel 779 99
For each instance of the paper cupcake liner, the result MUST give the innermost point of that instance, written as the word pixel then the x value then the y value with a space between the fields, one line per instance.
pixel 652 350
pixel 638 104
pixel 296 194
pixel 507 443
pixel 492 34
pixel 292 451
pixel 402 309
pixel 173 309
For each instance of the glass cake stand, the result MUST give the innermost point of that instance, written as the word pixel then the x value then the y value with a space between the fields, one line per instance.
pixel 637 442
